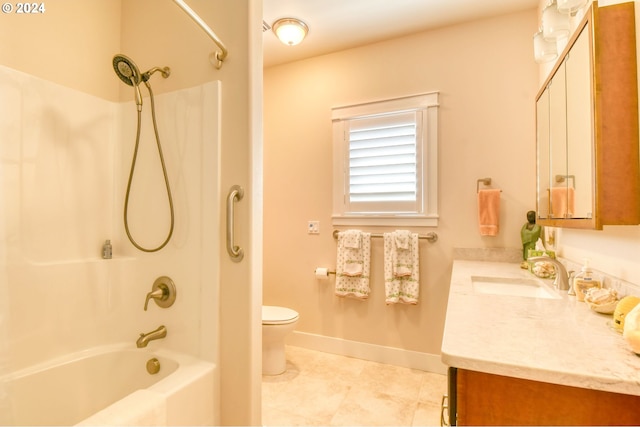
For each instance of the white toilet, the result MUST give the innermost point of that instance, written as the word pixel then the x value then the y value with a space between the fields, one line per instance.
pixel 277 322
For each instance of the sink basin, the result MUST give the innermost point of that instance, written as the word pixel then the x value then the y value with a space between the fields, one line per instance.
pixel 512 286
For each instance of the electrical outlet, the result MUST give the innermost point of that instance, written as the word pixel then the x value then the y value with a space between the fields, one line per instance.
pixel 313 227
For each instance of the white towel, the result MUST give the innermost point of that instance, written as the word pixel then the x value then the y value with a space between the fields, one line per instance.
pixel 352 267
pixel 402 238
pixel 401 270
pixel 352 239
pixel 402 256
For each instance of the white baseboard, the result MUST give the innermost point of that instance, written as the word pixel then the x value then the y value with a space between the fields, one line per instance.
pixel 375 353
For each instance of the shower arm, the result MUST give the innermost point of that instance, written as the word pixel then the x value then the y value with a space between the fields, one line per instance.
pixel 217 56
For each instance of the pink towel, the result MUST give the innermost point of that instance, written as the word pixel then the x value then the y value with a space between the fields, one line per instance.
pixel 562 202
pixel 488 212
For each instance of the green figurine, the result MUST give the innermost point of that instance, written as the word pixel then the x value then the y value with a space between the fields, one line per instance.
pixel 530 233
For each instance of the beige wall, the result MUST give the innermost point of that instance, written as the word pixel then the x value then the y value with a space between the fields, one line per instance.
pixel 487 78
pixel 68 44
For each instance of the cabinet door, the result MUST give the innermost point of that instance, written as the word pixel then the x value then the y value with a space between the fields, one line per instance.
pixel 488 399
pixel 580 142
pixel 543 117
pixel 558 140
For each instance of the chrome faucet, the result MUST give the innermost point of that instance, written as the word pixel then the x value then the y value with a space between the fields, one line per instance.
pixel 144 339
pixel 562 277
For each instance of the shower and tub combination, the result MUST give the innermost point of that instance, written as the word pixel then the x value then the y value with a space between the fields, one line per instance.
pixel 71 163
pixel 155 379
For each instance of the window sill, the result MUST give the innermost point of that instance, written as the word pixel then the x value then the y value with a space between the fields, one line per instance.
pixel 385 220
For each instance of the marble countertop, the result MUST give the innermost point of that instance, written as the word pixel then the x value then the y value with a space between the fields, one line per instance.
pixel 558 341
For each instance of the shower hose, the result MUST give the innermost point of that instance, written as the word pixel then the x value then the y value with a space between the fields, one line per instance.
pixel 164 172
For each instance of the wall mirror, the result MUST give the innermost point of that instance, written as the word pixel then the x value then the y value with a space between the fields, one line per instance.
pixel 587 126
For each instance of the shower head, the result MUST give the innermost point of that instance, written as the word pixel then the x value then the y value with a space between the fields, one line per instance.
pixel 166 72
pixel 129 73
pixel 127 70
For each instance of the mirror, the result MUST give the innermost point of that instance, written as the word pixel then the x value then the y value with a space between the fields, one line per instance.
pixel 543 118
pixel 579 128
pixel 588 167
pixel 565 137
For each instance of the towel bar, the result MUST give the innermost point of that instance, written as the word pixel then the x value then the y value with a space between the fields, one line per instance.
pixel 431 237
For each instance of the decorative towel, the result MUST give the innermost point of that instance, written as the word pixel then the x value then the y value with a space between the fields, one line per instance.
pixel 401 268
pixel 402 238
pixel 562 202
pixel 352 239
pixel 489 212
pixel 352 267
pixel 402 259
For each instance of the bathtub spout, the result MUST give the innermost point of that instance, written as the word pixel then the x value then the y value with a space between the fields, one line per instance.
pixel 144 339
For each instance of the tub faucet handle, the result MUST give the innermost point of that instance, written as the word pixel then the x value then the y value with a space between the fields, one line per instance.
pixel 163 293
pixel 157 294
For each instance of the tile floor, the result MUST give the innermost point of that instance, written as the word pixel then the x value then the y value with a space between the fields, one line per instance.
pixel 326 389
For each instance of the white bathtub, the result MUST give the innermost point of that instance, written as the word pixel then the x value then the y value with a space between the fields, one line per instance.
pixel 111 386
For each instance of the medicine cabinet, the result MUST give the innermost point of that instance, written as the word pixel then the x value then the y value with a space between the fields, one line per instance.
pixel 588 168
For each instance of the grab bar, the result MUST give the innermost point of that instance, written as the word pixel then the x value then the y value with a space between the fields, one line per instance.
pixel 218 56
pixel 235 252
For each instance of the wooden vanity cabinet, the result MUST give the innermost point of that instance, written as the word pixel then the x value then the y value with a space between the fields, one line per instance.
pixel 488 399
pixel 587 126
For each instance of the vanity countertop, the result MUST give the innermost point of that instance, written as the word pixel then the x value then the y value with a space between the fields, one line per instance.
pixel 559 341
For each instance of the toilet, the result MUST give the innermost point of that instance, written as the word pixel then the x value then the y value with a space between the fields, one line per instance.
pixel 277 322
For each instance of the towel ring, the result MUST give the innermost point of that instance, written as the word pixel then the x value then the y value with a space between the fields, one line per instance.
pixel 485 181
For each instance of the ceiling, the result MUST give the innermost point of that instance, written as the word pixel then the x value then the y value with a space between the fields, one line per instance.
pixel 341 24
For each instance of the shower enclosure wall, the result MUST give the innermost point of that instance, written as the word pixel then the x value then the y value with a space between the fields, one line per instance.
pixel 64 165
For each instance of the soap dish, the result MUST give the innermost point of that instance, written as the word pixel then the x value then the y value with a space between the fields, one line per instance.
pixel 606 308
pixel 602 300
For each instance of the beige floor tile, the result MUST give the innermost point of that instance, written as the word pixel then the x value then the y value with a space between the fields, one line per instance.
pixel 310 397
pixel 364 407
pixel 338 368
pixel 322 389
pixel 276 417
pixel 427 414
pixel 433 387
pixel 393 380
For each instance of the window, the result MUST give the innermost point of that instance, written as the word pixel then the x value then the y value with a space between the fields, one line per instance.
pixel 385 162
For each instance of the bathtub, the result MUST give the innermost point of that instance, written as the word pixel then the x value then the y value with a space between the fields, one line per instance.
pixel 111 386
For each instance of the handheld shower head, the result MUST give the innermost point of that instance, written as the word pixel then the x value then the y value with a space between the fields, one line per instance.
pixel 129 73
pixel 127 70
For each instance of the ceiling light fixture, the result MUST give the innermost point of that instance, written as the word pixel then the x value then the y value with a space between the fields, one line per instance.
pixel 290 31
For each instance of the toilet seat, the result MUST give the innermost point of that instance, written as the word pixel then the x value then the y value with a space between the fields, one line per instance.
pixel 274 315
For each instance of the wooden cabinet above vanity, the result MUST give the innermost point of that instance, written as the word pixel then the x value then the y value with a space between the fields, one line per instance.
pixel 588 167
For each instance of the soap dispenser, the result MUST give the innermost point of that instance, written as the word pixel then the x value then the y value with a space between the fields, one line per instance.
pixel 584 281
